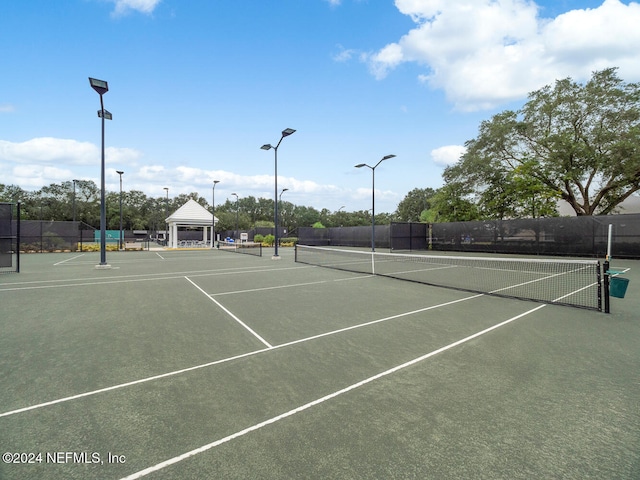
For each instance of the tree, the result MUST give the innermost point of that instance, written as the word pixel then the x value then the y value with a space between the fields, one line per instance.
pixel 451 203
pixel 305 216
pixel 413 204
pixel 580 143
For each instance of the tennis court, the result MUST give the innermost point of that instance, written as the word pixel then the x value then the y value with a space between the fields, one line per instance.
pixel 211 364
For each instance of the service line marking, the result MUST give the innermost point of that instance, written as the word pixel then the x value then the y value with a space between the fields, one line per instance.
pixel 68 260
pixel 228 312
pixel 228 359
pixel 257 426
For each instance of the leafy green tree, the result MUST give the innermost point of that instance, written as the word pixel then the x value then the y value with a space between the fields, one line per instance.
pixel 413 204
pixel 580 143
pixel 305 216
pixel 451 203
pixel 12 193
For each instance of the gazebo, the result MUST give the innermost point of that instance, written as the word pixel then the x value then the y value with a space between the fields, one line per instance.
pixel 191 214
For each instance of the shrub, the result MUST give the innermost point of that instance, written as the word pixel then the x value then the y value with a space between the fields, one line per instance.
pixel 288 241
pixel 258 238
pixel 269 240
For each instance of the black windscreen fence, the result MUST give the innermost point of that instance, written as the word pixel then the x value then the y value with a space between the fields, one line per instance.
pixel 345 236
pixel 9 238
pixel 569 236
pixel 49 236
pixel 577 236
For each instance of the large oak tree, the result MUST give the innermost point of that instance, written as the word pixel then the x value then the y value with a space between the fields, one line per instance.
pixel 579 143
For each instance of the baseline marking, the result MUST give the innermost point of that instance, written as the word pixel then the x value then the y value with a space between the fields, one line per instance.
pixel 145 277
pixel 204 448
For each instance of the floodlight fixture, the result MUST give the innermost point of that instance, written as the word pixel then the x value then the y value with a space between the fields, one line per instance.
pixel 107 114
pixel 99 86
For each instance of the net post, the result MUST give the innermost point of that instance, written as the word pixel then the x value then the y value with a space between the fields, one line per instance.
pixel 599 283
pixel 607 308
pixel 295 252
pixel 373 263
pixel 18 237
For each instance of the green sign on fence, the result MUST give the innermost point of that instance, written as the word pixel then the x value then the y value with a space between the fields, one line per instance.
pixel 111 235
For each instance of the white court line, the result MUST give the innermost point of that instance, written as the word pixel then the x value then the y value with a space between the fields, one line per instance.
pixel 228 312
pixel 129 384
pixel 541 279
pixel 68 260
pixel 143 277
pixel 573 293
pixel 160 256
pixel 204 448
pixel 88 284
pixel 225 360
pixel 291 285
pixel 625 270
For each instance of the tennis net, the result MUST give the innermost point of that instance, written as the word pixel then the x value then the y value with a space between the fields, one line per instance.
pixel 575 283
pixel 248 248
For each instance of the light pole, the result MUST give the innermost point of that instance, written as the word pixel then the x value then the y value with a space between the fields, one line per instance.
pixel 102 87
pixel 120 173
pixel 237 233
pixel 166 215
pixel 373 197
pixel 280 197
pixel 285 133
pixel 74 200
pixel 213 214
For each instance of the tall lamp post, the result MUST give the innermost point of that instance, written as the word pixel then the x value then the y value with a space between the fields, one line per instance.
pixel 120 173
pixel 285 133
pixel 74 200
pixel 373 197
pixel 102 87
pixel 237 233
pixel 213 214
pixel 280 199
pixel 166 215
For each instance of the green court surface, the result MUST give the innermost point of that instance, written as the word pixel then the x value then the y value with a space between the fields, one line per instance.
pixel 210 364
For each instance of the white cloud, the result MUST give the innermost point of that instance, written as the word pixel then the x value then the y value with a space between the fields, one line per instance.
pixel 448 155
pixel 483 53
pixel 6 108
pixel 143 6
pixel 122 156
pixel 43 161
pixel 48 150
pixel 152 172
pixel 344 55
pixel 35 176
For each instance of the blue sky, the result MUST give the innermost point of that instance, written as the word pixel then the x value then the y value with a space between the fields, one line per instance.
pixel 196 87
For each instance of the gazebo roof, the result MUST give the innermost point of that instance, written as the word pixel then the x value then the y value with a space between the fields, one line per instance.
pixel 191 213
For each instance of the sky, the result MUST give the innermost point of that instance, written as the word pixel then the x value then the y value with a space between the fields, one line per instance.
pixel 197 87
